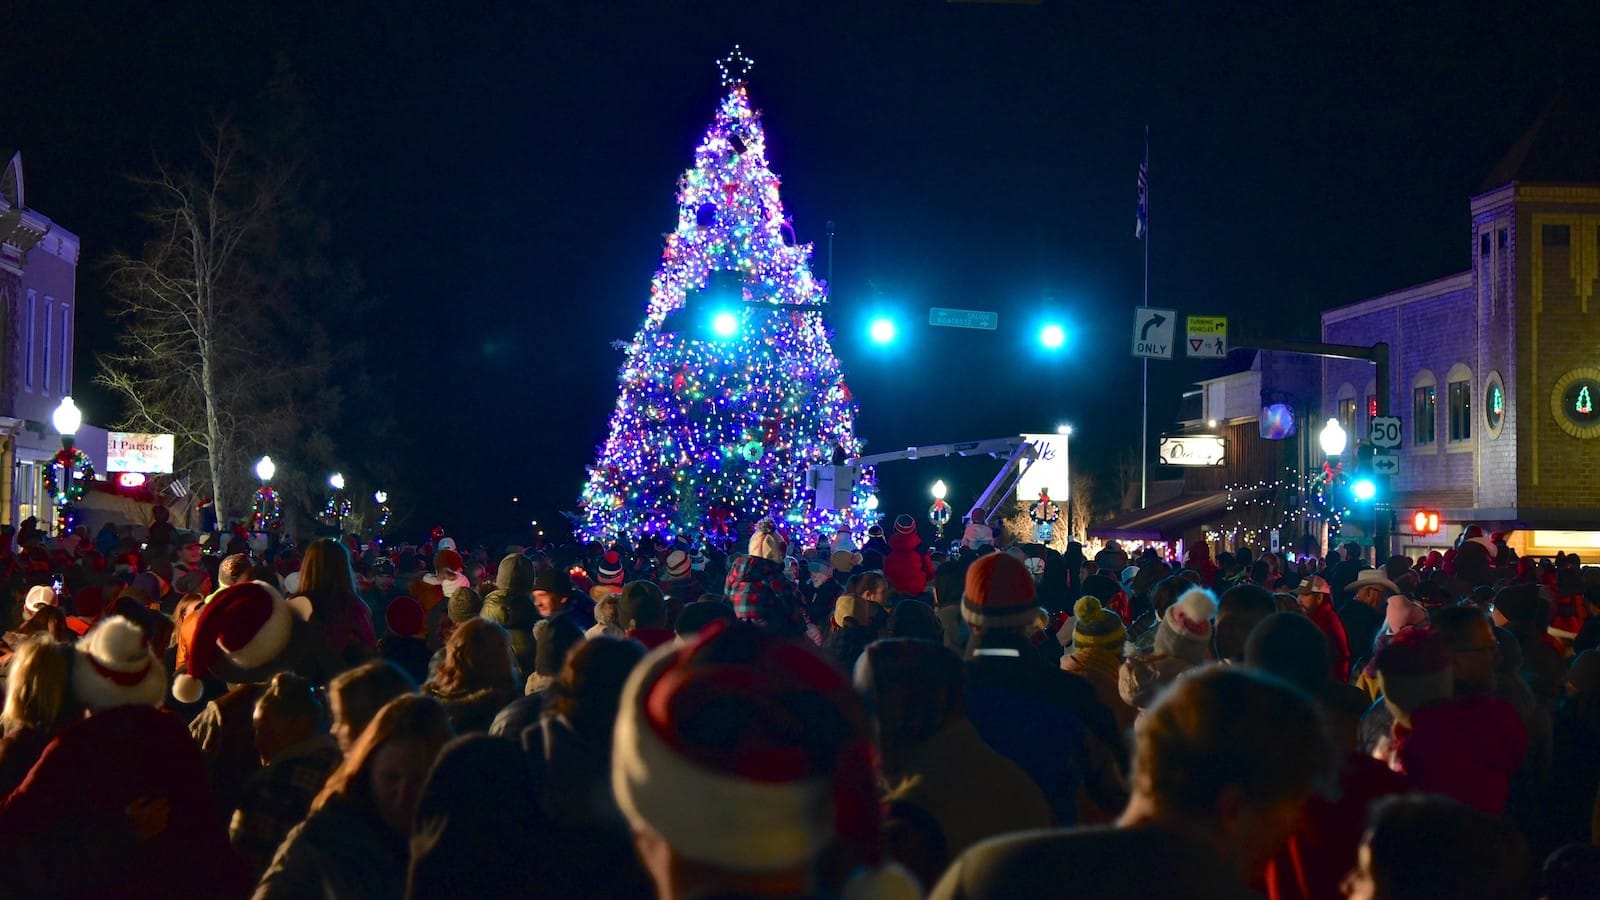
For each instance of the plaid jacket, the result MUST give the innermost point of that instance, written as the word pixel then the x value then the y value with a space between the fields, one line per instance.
pixel 761 594
pixel 278 797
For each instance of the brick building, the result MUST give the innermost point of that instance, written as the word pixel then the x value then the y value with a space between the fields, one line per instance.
pixel 1495 371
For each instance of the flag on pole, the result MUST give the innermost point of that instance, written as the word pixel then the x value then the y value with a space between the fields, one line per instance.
pixel 1141 218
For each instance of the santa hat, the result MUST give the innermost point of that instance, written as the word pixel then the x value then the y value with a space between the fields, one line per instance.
pixel 114 666
pixel 904 524
pixel 610 571
pixel 677 564
pixel 746 752
pixel 40 596
pixel 244 631
pixel 767 543
pixel 999 593
pixel 1185 630
pixel 1403 613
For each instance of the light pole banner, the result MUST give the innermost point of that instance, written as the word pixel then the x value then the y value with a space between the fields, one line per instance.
pixel 132 452
pixel 1047 471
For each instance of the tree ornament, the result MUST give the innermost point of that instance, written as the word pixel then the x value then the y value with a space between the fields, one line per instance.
pixel 751 451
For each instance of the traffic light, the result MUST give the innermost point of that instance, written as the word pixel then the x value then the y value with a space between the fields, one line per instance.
pixel 1363 489
pixel 1425 521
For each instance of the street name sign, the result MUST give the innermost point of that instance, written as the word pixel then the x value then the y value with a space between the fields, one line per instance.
pixel 963 318
pixel 1153 332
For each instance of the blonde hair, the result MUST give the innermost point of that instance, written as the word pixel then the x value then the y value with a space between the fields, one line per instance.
pixel 38 693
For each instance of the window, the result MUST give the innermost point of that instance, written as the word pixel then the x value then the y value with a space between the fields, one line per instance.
pixel 1494 403
pixel 66 352
pixel 1347 415
pixel 1483 244
pixel 1460 410
pixel 49 319
pixel 27 378
pixel 1556 235
pixel 1424 409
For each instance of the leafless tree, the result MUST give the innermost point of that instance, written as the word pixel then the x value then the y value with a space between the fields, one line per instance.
pixel 193 307
pixel 1082 500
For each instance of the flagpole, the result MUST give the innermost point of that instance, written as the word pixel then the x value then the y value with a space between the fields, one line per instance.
pixel 1144 423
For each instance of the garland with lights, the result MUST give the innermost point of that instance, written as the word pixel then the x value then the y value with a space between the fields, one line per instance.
pixel 337 509
pixel 266 509
pixel 82 468
pixel 1260 508
pixel 939 515
pixel 730 389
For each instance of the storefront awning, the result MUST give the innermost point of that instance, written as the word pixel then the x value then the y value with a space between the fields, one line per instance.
pixel 1170 519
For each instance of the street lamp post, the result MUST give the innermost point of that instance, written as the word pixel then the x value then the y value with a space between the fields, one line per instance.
pixel 939 512
pixel 67 419
pixel 1333 440
pixel 266 508
pixel 338 505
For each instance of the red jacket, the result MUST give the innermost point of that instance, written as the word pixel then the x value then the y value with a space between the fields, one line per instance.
pixel 1465 748
pixel 1328 622
pixel 906 566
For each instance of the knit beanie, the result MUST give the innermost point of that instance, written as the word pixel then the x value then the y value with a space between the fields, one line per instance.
pixel 465 604
pixel 114 666
pixel 405 617
pixel 767 543
pixel 999 593
pixel 1414 669
pixel 1185 631
pixel 553 580
pixel 641 606
pixel 1518 602
pixel 746 752
pixel 874 531
pixel 677 564
pixel 1095 626
pixel 610 570
pixel 553 639
pixel 1403 613
pixel 904 524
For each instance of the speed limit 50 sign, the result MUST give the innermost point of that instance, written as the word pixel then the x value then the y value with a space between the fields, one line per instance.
pixel 1384 432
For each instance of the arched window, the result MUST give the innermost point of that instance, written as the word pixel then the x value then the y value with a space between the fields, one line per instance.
pixel 1424 409
pixel 1458 388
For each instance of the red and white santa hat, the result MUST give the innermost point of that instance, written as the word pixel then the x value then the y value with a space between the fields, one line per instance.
pixel 794 774
pixel 114 666
pixel 247 625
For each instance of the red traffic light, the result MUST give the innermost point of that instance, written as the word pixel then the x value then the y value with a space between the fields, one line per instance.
pixel 1425 521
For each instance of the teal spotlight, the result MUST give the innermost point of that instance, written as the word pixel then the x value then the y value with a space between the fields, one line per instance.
pixel 725 324
pixel 1052 336
pixel 1364 489
pixel 882 331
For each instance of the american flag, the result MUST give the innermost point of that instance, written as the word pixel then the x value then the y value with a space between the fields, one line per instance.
pixel 1141 217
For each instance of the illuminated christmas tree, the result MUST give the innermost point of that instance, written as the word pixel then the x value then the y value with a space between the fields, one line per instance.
pixel 729 390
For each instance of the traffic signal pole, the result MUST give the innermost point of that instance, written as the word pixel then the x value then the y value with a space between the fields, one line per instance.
pixel 1378 355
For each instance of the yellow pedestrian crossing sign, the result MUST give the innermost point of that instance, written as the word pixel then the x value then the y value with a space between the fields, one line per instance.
pixel 1207 336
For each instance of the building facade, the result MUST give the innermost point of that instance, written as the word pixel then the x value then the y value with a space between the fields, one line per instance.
pixel 1495 371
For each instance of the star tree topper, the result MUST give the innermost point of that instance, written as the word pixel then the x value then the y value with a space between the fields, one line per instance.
pixel 735 67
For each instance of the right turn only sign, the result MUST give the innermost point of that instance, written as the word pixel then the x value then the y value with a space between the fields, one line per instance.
pixel 1152 332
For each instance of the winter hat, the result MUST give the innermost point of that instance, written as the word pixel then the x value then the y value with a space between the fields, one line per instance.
pixel 849 606
pixel 1185 631
pixel 904 524
pixel 1403 613
pixel 1102 588
pixel 40 596
pixel 445 543
pixel 1518 602
pixel 553 639
pixel 245 630
pixel 750 753
pixel 114 666
pixel 1095 626
pixel 697 615
pixel 610 571
pixel 1292 647
pixel 465 604
pixel 405 617
pixel 1128 574
pixel 446 560
pixel 641 606
pixel 1414 669
pixel 553 580
pixel 876 531
pixel 766 542
pixel 514 574
pixel 677 564
pixel 999 593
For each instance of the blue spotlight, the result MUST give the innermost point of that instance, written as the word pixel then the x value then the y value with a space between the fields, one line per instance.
pixel 882 331
pixel 1052 336
pixel 725 324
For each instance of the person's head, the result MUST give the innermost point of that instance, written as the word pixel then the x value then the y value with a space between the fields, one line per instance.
pixel 47 620
pixel 38 687
pixel 1095 628
pixel 234 568
pixel 389 763
pixel 287 713
pixel 588 691
pixel 1239 610
pixel 1422 846
pixel 1474 655
pixel 915 619
pixel 998 594
pixel 355 696
pixel 1185 630
pixel 1231 753
pixel 912 690
pixel 738 759
pixel 1413 671
pixel 641 605
pixel 947 583
pixel 1313 592
pixel 478 656
pixel 871 587
pixel 552 590
pixel 326 577
pixel 1352 550
pixel 1289 646
pixel 697 615
pixel 553 639
pixel 189 550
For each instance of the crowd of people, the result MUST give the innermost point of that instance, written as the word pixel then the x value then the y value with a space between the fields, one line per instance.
pixel 653 716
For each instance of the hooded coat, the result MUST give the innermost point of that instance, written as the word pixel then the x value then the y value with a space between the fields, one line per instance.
pixel 510 605
pixel 906 566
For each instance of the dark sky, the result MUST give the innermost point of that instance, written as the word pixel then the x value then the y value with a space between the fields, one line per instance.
pixel 505 179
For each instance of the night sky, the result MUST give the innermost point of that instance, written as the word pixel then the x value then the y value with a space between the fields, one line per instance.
pixel 503 179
